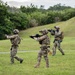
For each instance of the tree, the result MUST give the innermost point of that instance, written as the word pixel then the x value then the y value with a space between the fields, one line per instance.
pixel 19 20
pixel 5 23
pixel 59 7
pixel 29 9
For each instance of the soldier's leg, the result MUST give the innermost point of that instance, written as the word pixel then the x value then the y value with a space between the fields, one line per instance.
pixel 47 61
pixel 59 48
pixel 39 59
pixel 16 57
pixel 54 49
pixel 12 56
pixel 19 59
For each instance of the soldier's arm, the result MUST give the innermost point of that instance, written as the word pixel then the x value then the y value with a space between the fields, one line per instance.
pixel 41 38
pixel 10 37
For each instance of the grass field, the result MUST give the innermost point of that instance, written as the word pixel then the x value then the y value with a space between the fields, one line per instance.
pixel 59 65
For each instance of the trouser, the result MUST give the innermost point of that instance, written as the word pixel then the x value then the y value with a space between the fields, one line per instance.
pixel 57 44
pixel 43 53
pixel 13 53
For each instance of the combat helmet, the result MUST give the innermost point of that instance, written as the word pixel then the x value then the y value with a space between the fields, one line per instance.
pixel 44 31
pixel 15 31
pixel 56 27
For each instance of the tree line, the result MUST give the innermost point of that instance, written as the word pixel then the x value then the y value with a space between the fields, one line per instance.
pixel 31 16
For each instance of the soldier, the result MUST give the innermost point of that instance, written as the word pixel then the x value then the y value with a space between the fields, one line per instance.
pixel 15 40
pixel 44 42
pixel 58 37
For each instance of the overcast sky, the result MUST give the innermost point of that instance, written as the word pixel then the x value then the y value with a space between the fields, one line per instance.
pixel 46 3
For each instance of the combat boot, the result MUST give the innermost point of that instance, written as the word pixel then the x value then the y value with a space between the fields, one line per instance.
pixel 63 54
pixel 37 65
pixel 21 61
pixel 61 51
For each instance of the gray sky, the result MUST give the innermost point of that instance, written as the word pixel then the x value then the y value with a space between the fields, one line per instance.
pixel 46 3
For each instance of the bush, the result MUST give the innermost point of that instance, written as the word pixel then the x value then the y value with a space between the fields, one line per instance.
pixel 33 23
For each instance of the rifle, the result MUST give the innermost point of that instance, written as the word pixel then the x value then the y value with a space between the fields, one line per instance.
pixel 51 31
pixel 37 35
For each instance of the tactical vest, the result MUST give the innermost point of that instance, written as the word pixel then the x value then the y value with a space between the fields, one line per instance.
pixel 59 35
pixel 46 41
pixel 16 40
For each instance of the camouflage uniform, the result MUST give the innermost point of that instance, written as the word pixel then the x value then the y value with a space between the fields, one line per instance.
pixel 57 41
pixel 15 40
pixel 44 42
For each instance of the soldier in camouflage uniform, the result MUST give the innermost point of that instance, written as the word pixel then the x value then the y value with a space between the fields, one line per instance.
pixel 44 42
pixel 15 40
pixel 57 41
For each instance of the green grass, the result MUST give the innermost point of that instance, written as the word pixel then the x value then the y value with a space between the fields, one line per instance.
pixel 59 65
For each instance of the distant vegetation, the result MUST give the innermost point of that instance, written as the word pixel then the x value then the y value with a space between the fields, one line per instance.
pixel 31 16
pixel 68 27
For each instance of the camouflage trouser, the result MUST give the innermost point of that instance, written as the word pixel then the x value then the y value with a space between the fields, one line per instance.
pixel 57 44
pixel 13 53
pixel 43 52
